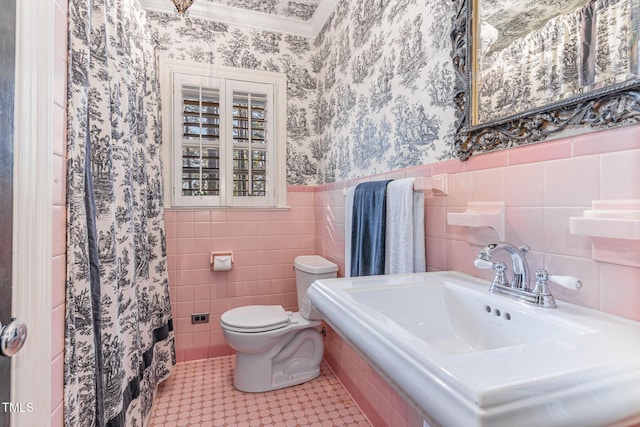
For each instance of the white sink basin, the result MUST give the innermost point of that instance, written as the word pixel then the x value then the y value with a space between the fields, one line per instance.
pixel 455 320
pixel 463 356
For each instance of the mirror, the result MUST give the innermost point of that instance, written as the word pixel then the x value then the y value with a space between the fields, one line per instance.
pixel 528 70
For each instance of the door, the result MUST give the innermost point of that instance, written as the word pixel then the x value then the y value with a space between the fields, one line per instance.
pixel 7 90
pixel 12 333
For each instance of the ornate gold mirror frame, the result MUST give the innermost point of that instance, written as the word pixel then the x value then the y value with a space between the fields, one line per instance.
pixel 610 106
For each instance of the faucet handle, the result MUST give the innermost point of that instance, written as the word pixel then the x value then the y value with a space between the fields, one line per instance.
pixel 543 278
pixel 524 248
pixel 542 282
pixel 568 282
pixel 483 264
pixel 499 267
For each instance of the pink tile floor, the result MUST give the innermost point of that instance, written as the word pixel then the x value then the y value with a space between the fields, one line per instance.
pixel 200 393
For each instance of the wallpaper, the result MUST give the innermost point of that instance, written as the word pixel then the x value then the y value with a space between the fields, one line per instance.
pixel 385 85
pixel 372 94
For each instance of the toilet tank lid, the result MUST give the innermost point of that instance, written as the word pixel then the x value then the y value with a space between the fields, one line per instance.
pixel 314 264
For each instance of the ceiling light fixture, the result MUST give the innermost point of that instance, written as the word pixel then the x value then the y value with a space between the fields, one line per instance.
pixel 182 6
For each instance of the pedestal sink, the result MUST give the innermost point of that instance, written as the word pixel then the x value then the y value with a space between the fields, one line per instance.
pixel 465 357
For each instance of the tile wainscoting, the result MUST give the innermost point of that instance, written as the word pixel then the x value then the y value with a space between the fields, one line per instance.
pixel 543 185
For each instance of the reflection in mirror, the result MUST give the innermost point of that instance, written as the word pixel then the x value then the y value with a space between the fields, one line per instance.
pixel 534 53
pixel 538 69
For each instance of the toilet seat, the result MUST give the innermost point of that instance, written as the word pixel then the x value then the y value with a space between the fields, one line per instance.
pixel 255 318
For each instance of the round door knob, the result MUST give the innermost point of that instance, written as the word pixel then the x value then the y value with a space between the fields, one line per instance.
pixel 12 337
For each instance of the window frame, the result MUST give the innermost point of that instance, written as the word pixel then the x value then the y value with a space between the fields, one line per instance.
pixel 171 73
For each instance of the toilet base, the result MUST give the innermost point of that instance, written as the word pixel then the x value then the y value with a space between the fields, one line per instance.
pixel 294 362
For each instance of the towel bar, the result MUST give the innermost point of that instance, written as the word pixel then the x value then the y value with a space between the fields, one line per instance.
pixel 436 184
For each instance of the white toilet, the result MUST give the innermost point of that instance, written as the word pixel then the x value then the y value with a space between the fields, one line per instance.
pixel 277 348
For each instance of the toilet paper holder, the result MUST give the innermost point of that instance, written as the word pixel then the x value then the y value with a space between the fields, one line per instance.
pixel 219 254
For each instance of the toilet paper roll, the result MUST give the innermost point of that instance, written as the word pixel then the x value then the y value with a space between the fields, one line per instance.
pixel 222 263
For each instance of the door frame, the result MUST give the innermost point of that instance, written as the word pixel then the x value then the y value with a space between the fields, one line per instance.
pixel 31 372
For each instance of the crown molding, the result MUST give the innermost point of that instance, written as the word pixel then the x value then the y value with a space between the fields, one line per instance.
pixel 204 9
pixel 322 15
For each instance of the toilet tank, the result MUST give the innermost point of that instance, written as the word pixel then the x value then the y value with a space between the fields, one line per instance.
pixel 310 268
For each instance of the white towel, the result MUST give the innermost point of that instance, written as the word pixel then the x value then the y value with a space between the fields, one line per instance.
pixel 404 246
pixel 348 222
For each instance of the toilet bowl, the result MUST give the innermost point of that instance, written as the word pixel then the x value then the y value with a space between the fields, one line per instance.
pixel 276 348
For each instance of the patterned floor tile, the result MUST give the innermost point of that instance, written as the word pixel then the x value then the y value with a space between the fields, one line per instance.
pixel 201 394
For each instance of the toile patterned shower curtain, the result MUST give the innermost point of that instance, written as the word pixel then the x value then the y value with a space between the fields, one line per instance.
pixel 119 332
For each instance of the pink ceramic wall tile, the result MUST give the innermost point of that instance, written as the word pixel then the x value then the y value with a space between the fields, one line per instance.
pixel 618 139
pixel 459 190
pixel 201 245
pixel 170 216
pixel 621 175
pixel 59 270
pixel 183 245
pixel 523 226
pixel 621 290
pixel 59 130
pixel 185 216
pixel 222 243
pixel 59 84
pixel 492 160
pixel 586 270
pixel 524 185
pixel 182 325
pixel 460 256
pixel 185 229
pixel 293 190
pixel 182 294
pixel 184 341
pixel 572 182
pixel 183 278
pixel 550 150
pixel 59 179
pixel 57 330
pixel 57 416
pixel 452 166
pixel 435 219
pixel 418 171
pixel 171 230
pixel 202 229
pixel 394 175
pixel 218 215
pixel 183 309
pixel 59 230
pixel 201 339
pixel 196 353
pixel 487 185
pixel 558 239
pixel 436 253
pixel 57 380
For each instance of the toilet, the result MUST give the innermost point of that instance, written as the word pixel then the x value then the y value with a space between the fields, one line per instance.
pixel 277 348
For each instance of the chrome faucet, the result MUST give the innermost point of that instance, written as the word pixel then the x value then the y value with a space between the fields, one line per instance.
pixel 520 279
pixel 519 288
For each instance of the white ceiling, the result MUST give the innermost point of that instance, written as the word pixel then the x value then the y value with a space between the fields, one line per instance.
pixel 297 17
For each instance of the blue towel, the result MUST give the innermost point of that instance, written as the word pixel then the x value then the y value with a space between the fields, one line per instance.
pixel 368 228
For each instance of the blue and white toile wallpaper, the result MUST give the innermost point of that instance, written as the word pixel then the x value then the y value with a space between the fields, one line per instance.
pixel 385 88
pixel 372 94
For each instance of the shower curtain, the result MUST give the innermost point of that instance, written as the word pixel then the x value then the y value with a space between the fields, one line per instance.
pixel 118 331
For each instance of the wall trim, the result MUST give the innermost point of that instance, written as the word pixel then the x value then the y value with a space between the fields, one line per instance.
pixel 33 209
pixel 209 10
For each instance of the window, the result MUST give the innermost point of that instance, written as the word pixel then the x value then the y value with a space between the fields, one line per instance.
pixel 227 131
